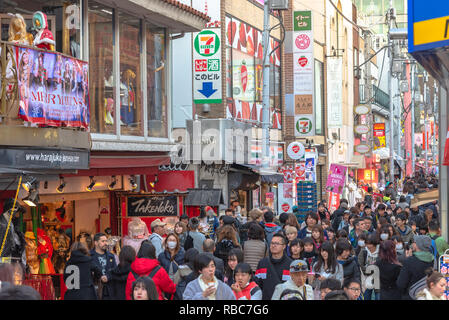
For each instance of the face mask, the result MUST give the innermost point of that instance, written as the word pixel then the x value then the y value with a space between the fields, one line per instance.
pixel 171 244
pixel 384 236
pixel 361 243
pixel 399 246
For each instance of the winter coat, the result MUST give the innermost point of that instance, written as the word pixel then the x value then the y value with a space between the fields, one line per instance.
pixel 406 235
pixel 198 239
pixel 143 267
pixel 270 272
pixel 337 216
pixel 270 230
pixel 309 257
pixel 106 270
pixel 119 276
pixel 338 274
pixel 351 269
pixel 222 249
pixel 366 258
pixel 250 292
pixel 166 262
pixel 254 251
pixel 88 271
pixel 426 295
pixel 243 231
pixel 290 285
pixel 388 274
pixel 156 240
pixel 193 291
pixel 412 271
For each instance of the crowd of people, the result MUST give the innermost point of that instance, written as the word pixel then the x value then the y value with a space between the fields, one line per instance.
pixel 374 250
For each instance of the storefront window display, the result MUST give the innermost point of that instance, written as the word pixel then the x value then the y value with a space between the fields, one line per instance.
pixel 101 84
pixel 63 21
pixel 156 77
pixel 131 114
pixel 244 73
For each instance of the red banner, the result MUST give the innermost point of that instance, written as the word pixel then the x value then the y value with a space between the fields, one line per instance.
pixel 446 151
pixel 334 201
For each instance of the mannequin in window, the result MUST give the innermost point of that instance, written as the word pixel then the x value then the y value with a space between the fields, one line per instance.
pixel 44 37
pixel 18 31
pixel 127 98
pixel 109 111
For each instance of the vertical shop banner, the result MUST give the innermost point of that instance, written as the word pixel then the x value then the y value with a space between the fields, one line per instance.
pixel 53 89
pixel 207 66
pixel 285 197
pixel 334 201
pixel 300 171
pixel 336 179
pixel 310 168
pixel 379 136
pixel 303 73
pixel 334 92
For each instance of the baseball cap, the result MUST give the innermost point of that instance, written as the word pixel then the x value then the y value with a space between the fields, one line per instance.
pixel 299 266
pixel 157 223
pixel 424 243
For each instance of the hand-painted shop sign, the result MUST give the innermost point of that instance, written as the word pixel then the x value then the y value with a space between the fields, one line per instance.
pixel 44 159
pixel 148 206
pixel 428 24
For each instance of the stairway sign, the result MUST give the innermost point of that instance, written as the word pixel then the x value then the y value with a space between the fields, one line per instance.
pixel 207 66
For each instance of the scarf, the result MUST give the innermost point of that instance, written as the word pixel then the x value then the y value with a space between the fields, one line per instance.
pixel 204 286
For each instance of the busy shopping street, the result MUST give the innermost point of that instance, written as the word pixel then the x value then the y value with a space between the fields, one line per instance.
pixel 196 150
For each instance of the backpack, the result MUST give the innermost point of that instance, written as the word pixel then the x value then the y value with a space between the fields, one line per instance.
pixel 151 274
pixel 435 252
pixel 269 234
pixel 189 242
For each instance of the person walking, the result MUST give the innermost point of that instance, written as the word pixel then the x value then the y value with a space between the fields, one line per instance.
pixel 106 262
pixel 366 258
pixel 415 266
pixel 119 275
pixel 173 255
pixel 326 266
pixel 243 287
pixel 235 256
pixel 209 248
pixel 275 268
pixel 156 237
pixel 403 229
pixel 270 227
pixel 146 264
pixel 196 238
pixel 350 268
pixel 389 269
pixel 436 285
pixel 88 271
pixel 255 248
pixel 207 286
pixel 185 273
pixel 297 282
pixel 255 216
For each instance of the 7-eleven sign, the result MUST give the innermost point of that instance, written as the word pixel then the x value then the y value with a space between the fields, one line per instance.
pixel 304 125
pixel 207 43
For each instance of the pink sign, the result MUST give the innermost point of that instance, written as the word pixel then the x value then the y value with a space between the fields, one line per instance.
pixel 302 41
pixel 336 179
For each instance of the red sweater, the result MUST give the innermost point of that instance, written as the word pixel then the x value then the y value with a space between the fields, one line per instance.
pixel 246 292
pixel 143 267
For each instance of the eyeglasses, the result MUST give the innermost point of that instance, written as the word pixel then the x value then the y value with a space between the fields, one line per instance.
pixel 354 289
pixel 276 244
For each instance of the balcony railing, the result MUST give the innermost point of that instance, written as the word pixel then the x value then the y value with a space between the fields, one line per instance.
pixel 381 98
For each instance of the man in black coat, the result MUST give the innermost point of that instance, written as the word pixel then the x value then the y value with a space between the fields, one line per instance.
pixel 337 216
pixel 415 266
pixel 275 268
pixel 105 261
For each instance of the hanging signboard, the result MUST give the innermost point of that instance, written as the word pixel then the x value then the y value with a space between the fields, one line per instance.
pixel 149 205
pixel 296 150
pixel 304 125
pixel 334 92
pixel 379 136
pixel 207 66
pixel 336 178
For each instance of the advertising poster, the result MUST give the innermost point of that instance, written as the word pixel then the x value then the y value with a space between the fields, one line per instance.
pixel 285 197
pixel 53 89
pixel 379 136
pixel 334 201
pixel 336 178
pixel 300 171
pixel 310 168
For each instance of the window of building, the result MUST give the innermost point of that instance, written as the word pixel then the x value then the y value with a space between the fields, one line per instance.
pixel 63 20
pixel 101 57
pixel 156 77
pixel 131 111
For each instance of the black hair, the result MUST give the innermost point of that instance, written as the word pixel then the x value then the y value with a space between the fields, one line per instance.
pixel 149 286
pixel 237 252
pixel 372 239
pixel 402 217
pixel 243 268
pixel 357 221
pixel 336 295
pixel 342 245
pixel 370 189
pixel 201 261
pixel 98 236
pixel 402 199
pixel 312 215
pixel 347 282
pixel 280 235
pixel 295 242
pixel 19 293
pixel 256 232
pixel 331 259
pixel 330 283
pixel 183 217
pixel 434 225
pixel 283 217
pixel 344 200
pixel 108 231
pixel 342 233
pixel 268 216
pixel 308 240
pixel 147 250
pixel 127 255
pixel 194 223
pixel 189 257
pixel 381 207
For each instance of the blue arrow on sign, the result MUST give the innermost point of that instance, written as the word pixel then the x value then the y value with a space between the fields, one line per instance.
pixel 207 89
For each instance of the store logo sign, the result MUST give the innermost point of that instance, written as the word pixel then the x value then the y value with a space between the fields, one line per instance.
pixel 207 43
pixel 302 41
pixel 304 125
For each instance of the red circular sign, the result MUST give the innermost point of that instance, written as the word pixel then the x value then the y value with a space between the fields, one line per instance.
pixel 302 61
pixel 302 41
pixel 295 149
pixel 285 207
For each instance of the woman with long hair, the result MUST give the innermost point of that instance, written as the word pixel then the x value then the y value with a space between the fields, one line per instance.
pixel 235 256
pixel 255 248
pixel 226 241
pixel 144 289
pixel 292 221
pixel 317 236
pixel 181 231
pixel 120 273
pixel 326 266
pixel 389 269
pixel 173 255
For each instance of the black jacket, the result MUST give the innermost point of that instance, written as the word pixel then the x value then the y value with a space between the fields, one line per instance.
pixel 388 274
pixel 110 265
pixel 222 249
pixel 351 269
pixel 412 271
pixel 336 218
pixel 117 284
pixel 12 248
pixel 270 272
pixel 87 272
pixel 164 259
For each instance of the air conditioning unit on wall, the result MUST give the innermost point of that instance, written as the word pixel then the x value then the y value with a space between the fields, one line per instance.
pixel 278 4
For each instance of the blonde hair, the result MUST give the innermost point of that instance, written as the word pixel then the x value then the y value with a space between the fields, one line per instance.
pixel 255 214
pixel 290 229
pixel 22 28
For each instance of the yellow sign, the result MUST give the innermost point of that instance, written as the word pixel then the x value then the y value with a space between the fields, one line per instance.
pixel 432 30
